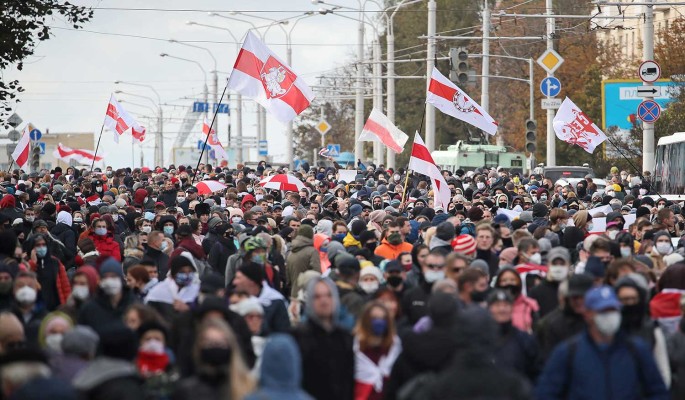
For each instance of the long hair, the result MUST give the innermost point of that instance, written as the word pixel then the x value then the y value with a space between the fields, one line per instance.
pixel 241 383
pixel 363 328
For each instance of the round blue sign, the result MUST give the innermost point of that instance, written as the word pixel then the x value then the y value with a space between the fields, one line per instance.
pixel 649 111
pixel 550 86
pixel 35 134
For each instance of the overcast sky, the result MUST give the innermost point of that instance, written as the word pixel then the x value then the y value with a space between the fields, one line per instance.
pixel 71 76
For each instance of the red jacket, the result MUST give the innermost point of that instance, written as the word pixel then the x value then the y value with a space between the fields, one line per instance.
pixel 106 245
pixel 63 285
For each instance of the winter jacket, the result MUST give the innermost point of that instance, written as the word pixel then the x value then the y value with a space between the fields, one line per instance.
pixel 275 311
pixel 517 351
pixel 391 252
pixel 109 379
pixel 106 245
pixel 556 327
pixel 98 312
pixel 159 258
pixel 30 322
pixel 370 375
pixel 491 258
pixel 349 241
pixel 66 234
pixel 546 296
pixel 53 278
pixel 303 257
pixel 221 249
pixel 624 370
pixel 525 312
pixel 199 257
pixel 415 301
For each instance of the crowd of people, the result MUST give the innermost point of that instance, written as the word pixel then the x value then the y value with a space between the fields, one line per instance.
pixel 130 284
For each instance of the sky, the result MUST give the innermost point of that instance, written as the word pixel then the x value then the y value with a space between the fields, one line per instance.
pixel 69 79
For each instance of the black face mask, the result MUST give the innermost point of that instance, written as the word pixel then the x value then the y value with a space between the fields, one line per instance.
pixel 632 316
pixel 394 281
pixel 479 296
pixel 514 290
pixel 216 356
pixel 371 246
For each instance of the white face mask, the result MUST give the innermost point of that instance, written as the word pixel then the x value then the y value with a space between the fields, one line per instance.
pixel 625 252
pixel 115 217
pixel 54 342
pixel 80 292
pixel 536 259
pixel 610 193
pixel 612 234
pixel 180 200
pixel 433 276
pixel 146 229
pixel 153 346
pixel 26 295
pixel 643 192
pixel 111 286
pixel 369 287
pixel 664 248
pixel 558 272
pixel 480 185
pixel 608 323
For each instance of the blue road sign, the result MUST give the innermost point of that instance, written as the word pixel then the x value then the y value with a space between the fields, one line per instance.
pixel 649 111
pixel 620 100
pixel 42 147
pixel 35 134
pixel 200 143
pixel 333 150
pixel 199 106
pixel 221 108
pixel 263 148
pixel 550 86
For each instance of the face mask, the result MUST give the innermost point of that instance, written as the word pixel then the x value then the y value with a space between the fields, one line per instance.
pixel 379 326
pixel 480 185
pixel 184 279
pixel 338 237
pixel 146 229
pixel 433 276
pixel 41 252
pixel 562 226
pixel 259 258
pixel 5 287
pixel 111 286
pixel 395 238
pixel 163 246
pixel 99 188
pixel 180 199
pixel 54 342
pixel 100 231
pixel 30 219
pixel 514 290
pixel 612 234
pixel 168 230
pixel 26 295
pixel 394 281
pixel 590 227
pixel 607 323
pixel 216 356
pixel 153 346
pixel 664 248
pixel 660 207
pixel 543 198
pixel 80 292
pixel 643 192
pixel 78 220
pixel 625 252
pixel 535 259
pixel 369 287
pixel 479 296
pixel 558 272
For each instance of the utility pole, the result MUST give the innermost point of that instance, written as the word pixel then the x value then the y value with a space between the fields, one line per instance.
pixel 485 80
pixel 551 137
pixel 377 86
pixel 430 63
pixel 359 98
pixel 390 106
pixel 648 54
pixel 289 126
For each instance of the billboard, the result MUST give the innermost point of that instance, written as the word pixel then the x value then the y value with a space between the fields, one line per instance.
pixel 620 100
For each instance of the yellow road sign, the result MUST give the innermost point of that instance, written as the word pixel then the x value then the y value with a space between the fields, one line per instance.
pixel 550 60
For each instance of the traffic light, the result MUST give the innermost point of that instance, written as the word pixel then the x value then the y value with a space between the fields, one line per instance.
pixel 531 128
pixel 35 158
pixel 459 61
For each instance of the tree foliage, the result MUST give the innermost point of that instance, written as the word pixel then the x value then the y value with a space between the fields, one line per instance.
pixel 24 23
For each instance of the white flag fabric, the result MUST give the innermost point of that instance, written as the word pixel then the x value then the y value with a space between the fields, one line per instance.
pixel 574 127
pixel 81 156
pixel 21 152
pixel 448 98
pixel 422 162
pixel 118 120
pixel 379 128
pixel 213 141
pixel 260 75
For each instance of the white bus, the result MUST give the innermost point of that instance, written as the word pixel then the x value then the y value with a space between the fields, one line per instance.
pixel 669 169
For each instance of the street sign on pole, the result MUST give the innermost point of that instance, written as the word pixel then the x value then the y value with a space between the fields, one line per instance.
pixel 35 134
pixel 323 127
pixel 333 150
pixel 649 71
pixel 200 107
pixel 550 86
pixel 649 111
pixel 263 148
pixel 221 108
pixel 14 135
pixel 14 120
pixel 550 60
pixel 551 104
pixel 649 91
pixel 42 147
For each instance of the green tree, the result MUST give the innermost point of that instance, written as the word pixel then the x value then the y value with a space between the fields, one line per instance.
pixel 24 23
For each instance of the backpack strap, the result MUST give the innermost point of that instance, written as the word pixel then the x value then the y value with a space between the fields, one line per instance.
pixel 570 360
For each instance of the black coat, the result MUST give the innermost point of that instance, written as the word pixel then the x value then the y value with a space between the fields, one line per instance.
pixel 159 258
pixel 415 301
pixel 517 351
pixel 556 327
pixel 199 387
pixel 546 294
pixel 67 235
pixel 99 314
pixel 327 361
pixel 219 253
pixel 491 258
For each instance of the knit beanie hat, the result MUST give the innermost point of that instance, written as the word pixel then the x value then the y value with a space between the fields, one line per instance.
pixel 306 231
pixel 80 341
pixel 357 227
pixel 464 244
pixel 253 272
pixel 539 210
pixel 111 265
pixel 445 231
pixel 178 262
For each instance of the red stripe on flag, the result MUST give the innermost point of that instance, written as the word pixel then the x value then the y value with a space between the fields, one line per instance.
pixel 295 99
pixel 422 153
pixel 249 63
pixel 83 153
pixel 383 134
pixel 442 90
pixel 23 157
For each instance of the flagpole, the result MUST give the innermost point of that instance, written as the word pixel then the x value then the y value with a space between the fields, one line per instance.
pixel 11 165
pixel 98 146
pixel 406 181
pixel 211 126
pixel 633 166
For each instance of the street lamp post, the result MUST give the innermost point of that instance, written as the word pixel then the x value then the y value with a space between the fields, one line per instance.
pixel 159 152
pixel 204 73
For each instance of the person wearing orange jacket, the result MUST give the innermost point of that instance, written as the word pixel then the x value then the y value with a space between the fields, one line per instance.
pixel 392 244
pixel 51 274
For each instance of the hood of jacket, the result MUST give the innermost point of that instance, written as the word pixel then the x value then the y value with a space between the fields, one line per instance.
pixel 281 366
pixel 101 370
pixel 301 242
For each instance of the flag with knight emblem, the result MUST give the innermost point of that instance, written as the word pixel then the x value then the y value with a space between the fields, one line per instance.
pixel 260 75
pixel 451 100
pixel 575 128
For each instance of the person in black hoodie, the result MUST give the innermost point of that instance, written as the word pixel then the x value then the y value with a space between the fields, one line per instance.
pixel 415 300
pixel 155 254
pixel 223 247
pixel 546 293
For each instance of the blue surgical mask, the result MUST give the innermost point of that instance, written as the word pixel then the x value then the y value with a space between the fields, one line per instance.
pixel 338 237
pixel 163 246
pixel 42 251
pixel 101 231
pixel 168 230
pixel 259 258
pixel 379 326
pixel 184 278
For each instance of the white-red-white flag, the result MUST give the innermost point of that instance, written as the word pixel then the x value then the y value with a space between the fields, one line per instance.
pixel 82 156
pixel 422 162
pixel 448 98
pixel 379 128
pixel 118 120
pixel 259 74
pixel 21 152
pixel 574 127
pixel 213 141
